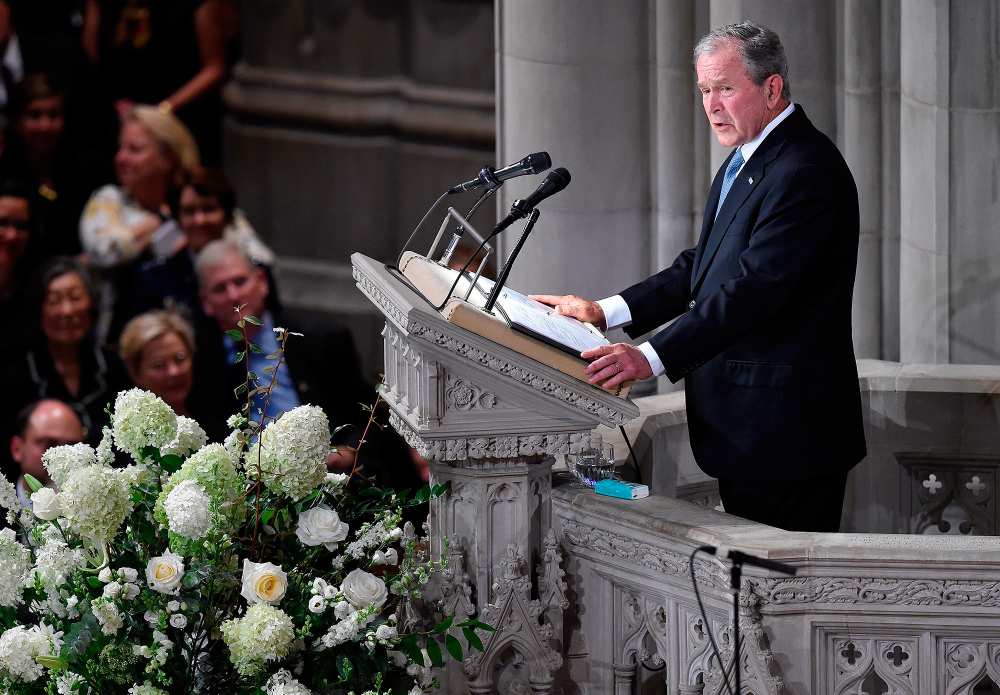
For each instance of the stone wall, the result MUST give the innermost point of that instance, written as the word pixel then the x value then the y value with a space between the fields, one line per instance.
pixel 347 119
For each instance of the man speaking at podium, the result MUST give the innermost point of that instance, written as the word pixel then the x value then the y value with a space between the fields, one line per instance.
pixel 763 302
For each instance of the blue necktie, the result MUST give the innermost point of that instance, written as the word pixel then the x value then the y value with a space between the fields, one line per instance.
pixel 727 181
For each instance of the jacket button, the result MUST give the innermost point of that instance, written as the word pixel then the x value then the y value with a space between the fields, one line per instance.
pixel 692 304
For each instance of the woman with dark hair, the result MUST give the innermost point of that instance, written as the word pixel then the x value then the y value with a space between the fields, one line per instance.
pixel 60 174
pixel 63 360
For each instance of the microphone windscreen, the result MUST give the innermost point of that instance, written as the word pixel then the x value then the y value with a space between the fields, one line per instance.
pixel 538 162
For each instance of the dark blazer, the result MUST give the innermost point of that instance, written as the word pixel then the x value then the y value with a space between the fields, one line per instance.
pixel 763 334
pixel 326 371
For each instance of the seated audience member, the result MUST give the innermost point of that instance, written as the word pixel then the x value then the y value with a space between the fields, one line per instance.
pixel 63 360
pixel 60 174
pixel 40 426
pixel 127 228
pixel 321 367
pixel 157 348
pixel 11 58
pixel 15 261
pixel 206 210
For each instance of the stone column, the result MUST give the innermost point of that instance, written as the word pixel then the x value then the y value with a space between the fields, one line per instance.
pixel 573 79
pixel 860 138
pixel 890 179
pixel 925 169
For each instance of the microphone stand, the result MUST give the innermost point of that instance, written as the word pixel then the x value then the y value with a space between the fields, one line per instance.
pixel 505 271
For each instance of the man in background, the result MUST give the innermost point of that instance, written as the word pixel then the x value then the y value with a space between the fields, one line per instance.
pixel 39 427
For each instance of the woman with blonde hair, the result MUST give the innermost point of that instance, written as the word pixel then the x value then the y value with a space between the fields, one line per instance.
pixel 157 348
pixel 127 230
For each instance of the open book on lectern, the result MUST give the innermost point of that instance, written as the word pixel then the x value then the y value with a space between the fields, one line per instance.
pixel 517 310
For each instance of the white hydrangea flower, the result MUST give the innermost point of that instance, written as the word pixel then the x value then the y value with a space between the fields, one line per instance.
pixel 292 452
pixel 264 634
pixel 96 501
pixel 69 683
pixel 282 683
pixel 190 437
pixel 15 563
pixel 9 500
pixel 142 419
pixel 187 509
pixel 20 645
pixel 105 452
pixel 62 460
pixel 146 688
pixel 107 615
pixel 55 563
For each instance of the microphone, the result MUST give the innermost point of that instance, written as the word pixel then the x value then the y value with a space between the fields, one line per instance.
pixel 740 558
pixel 534 163
pixel 556 180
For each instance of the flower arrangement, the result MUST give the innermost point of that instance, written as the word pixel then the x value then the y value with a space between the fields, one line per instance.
pixel 240 567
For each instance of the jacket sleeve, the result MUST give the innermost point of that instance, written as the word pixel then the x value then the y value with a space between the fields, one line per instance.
pixel 794 227
pixel 660 297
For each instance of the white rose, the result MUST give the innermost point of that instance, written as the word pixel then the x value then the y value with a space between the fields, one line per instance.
pixel 105 574
pixel 178 620
pixel 391 556
pixel 46 505
pixel 263 582
pixel 363 588
pixel 321 526
pixel 173 606
pixel 395 534
pixel 151 617
pixel 319 586
pixel 164 573
pixel 129 574
pixel 317 604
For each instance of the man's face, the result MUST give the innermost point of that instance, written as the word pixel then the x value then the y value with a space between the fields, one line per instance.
pixel 52 424
pixel 737 109
pixel 14 232
pixel 230 283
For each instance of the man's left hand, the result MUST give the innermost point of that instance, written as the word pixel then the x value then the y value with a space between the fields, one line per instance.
pixel 612 365
pixel 341 460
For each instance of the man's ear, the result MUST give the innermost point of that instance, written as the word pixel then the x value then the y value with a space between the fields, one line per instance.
pixel 772 90
pixel 16 448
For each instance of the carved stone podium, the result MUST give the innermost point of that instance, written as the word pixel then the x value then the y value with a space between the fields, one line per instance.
pixel 490 421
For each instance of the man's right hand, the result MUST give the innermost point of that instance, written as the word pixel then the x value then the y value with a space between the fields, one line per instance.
pixel 577 307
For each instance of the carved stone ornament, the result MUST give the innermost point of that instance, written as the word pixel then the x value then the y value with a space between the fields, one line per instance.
pixel 460 394
pixel 860 662
pixel 512 446
pixel 520 628
pixel 968 662
pixel 455 588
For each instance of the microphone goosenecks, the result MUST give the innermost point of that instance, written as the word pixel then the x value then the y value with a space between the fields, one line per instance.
pixel 532 164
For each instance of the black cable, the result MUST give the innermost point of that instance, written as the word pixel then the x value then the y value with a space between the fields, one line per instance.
pixel 708 626
pixel 631 453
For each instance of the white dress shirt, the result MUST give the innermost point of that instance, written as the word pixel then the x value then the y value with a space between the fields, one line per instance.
pixel 616 311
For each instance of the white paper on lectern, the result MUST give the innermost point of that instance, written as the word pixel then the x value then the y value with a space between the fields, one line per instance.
pixel 542 320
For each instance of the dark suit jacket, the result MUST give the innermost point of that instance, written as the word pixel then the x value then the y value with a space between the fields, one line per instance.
pixel 325 368
pixel 763 338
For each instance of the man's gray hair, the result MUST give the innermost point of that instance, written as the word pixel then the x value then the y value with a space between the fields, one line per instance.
pixel 761 49
pixel 218 252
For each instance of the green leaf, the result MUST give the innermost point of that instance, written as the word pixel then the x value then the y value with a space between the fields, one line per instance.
pixel 171 462
pixel 408 645
pixel 444 625
pixel 274 355
pixel 235 334
pixel 34 484
pixel 344 668
pixel 439 489
pixel 240 390
pixel 423 494
pixel 250 318
pixel 94 583
pixel 480 625
pixel 266 516
pixel 255 348
pixel 52 663
pixel 268 369
pixel 434 652
pixel 454 647
pixel 472 638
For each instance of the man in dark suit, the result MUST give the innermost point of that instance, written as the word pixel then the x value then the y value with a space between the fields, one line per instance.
pixel 320 366
pixel 762 304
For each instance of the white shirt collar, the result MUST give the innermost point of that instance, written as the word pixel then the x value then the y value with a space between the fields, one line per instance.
pixel 747 149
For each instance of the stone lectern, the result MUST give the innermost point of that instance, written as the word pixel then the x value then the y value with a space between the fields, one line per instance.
pixel 490 420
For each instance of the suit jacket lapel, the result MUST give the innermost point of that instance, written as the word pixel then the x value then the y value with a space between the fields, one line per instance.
pixel 706 218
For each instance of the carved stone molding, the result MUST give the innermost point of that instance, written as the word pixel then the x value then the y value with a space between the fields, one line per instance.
pixel 858 662
pixel 876 590
pixel 460 449
pixel 460 394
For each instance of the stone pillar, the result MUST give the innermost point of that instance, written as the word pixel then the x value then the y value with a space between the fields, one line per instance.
pixel 890 180
pixel 974 149
pixel 860 139
pixel 573 79
pixel 925 177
